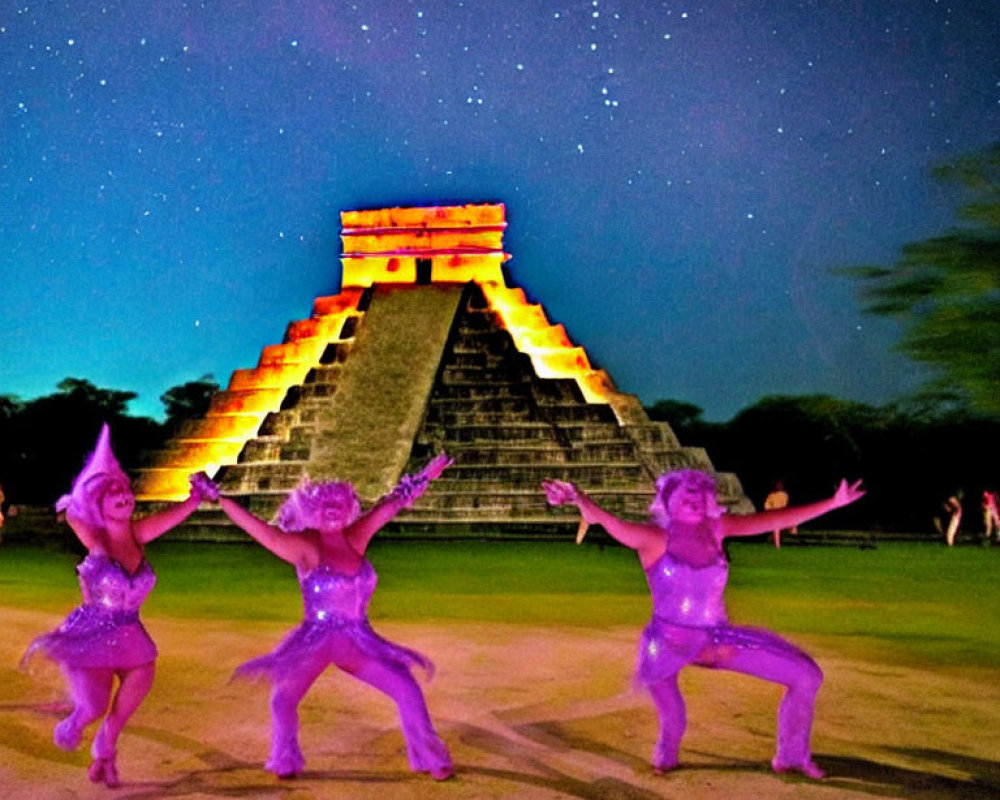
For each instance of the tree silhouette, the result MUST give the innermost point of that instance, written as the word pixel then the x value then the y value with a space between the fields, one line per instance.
pixel 48 438
pixel 112 402
pixel 188 400
pixel 910 456
pixel 684 419
pixel 946 290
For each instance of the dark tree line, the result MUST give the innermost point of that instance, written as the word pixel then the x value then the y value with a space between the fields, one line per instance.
pixel 911 457
pixel 945 292
pixel 43 442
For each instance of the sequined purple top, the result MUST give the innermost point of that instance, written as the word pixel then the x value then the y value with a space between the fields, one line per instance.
pixel 335 606
pixel 687 595
pixel 689 624
pixel 688 615
pixel 105 631
pixel 328 595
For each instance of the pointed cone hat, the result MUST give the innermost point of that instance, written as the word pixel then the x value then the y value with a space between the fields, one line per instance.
pixel 101 462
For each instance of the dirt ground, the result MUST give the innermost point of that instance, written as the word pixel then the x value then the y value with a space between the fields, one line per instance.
pixel 528 712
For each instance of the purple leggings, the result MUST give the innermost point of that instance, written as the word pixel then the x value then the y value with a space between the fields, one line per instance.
pixel 665 648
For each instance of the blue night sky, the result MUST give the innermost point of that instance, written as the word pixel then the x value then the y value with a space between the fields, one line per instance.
pixel 679 176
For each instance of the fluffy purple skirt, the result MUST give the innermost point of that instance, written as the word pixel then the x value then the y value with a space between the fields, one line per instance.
pixel 92 637
pixel 330 640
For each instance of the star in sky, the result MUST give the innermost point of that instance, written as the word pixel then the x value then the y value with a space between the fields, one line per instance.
pixel 680 177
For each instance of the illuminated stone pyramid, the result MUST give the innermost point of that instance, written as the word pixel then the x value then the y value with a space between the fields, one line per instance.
pixel 426 348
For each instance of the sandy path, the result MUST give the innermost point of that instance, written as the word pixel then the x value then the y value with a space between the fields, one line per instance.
pixel 528 712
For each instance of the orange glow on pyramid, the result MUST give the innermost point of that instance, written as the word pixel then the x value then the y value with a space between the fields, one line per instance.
pixel 551 352
pixel 236 414
pixel 415 246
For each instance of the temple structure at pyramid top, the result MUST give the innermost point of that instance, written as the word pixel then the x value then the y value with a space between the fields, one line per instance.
pixel 423 245
pixel 427 348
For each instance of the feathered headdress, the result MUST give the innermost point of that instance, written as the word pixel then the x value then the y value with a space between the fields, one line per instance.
pixel 100 469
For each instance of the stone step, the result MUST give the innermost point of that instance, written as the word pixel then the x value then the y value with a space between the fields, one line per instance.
pixel 264 476
pixel 477 360
pixel 480 329
pixel 316 392
pixel 539 455
pixel 296 424
pixel 653 435
pixel 502 432
pixel 587 476
pixel 471 501
pixel 499 516
pixel 613 502
pixel 439 417
pixel 281 477
pixel 264 450
pixel 503 372
pixel 526 385
pixel 467 412
pixel 481 391
pixel 558 390
pixel 326 374
pixel 336 352
pixel 494 426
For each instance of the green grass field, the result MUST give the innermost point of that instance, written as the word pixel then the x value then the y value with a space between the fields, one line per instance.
pixel 920 603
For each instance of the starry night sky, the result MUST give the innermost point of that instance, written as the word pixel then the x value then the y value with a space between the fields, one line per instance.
pixel 679 176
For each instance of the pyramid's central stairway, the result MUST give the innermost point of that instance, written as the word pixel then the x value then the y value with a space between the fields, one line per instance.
pixel 426 349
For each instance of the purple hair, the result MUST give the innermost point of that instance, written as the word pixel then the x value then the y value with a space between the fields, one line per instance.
pixel 304 504
pixel 668 482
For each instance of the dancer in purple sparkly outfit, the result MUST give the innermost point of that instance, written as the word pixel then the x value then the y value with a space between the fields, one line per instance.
pixel 681 553
pixel 103 638
pixel 321 531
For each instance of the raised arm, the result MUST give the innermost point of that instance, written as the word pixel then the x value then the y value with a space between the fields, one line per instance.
pixel 790 516
pixel 286 546
pixel 283 545
pixel 158 523
pixel 647 539
pixel 410 487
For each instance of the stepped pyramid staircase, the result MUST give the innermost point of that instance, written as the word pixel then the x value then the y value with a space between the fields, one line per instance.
pixel 427 348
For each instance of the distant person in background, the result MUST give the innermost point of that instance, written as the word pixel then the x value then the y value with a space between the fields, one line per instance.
pixel 778 498
pixel 949 516
pixel 3 499
pixel 680 550
pixel 103 638
pixel 991 518
pixel 321 530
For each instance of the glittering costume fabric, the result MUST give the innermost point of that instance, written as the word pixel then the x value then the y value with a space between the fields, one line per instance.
pixel 690 626
pixel 105 631
pixel 335 609
pixel 334 629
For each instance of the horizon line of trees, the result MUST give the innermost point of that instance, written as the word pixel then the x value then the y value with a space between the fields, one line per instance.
pixel 44 441
pixel 944 291
pixel 911 455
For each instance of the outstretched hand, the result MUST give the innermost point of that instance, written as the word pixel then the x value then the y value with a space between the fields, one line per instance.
pixel 410 487
pixel 560 493
pixel 203 486
pixel 847 493
pixel 436 466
